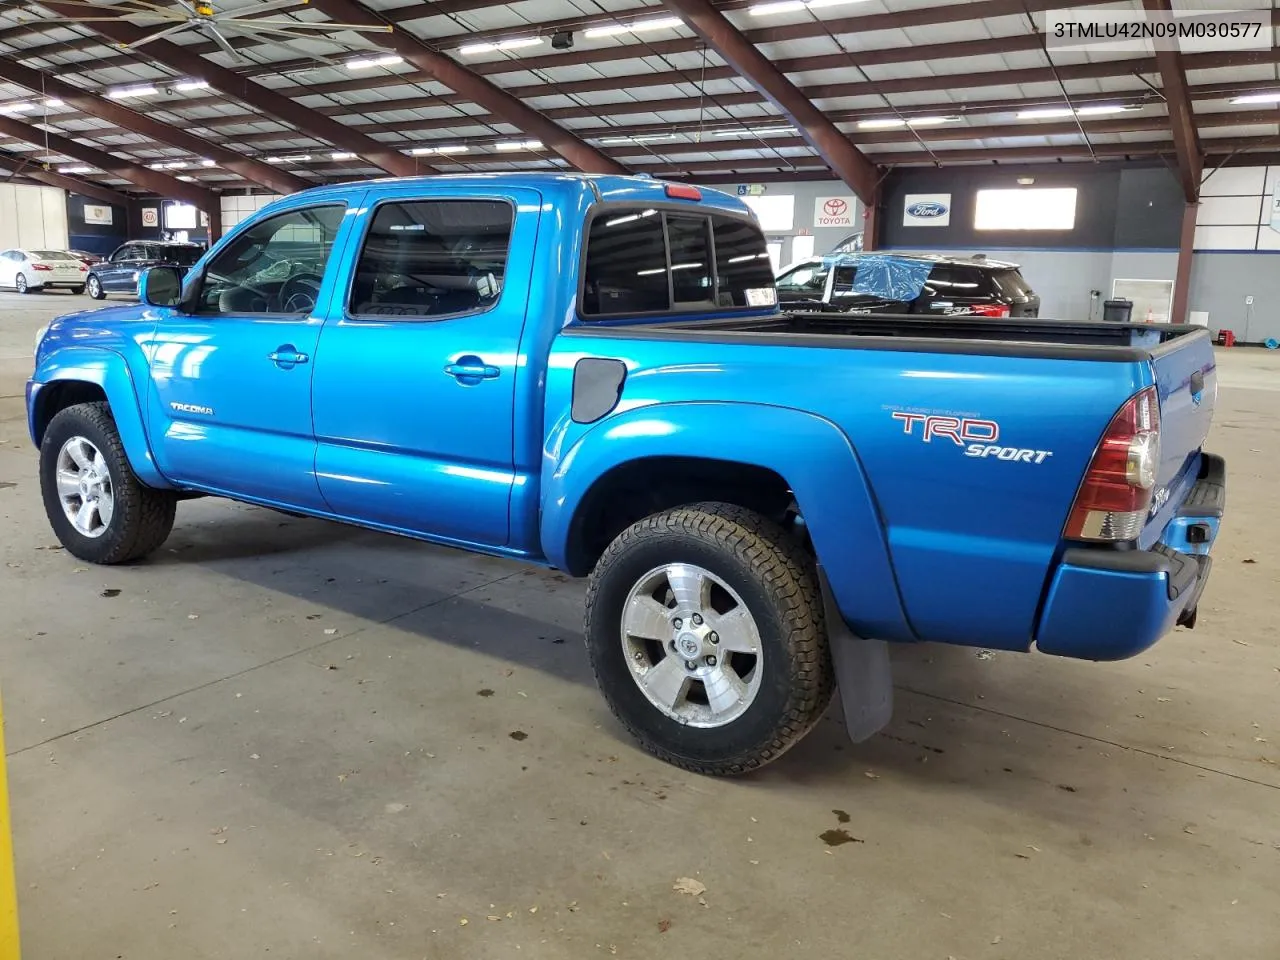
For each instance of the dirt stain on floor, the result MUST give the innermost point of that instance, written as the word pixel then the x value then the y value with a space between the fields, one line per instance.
pixel 835 838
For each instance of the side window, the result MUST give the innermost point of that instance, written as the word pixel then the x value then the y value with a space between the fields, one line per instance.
pixel 744 274
pixel 842 283
pixel 432 258
pixel 124 254
pixel 957 280
pixel 626 270
pixel 274 266
pixel 809 279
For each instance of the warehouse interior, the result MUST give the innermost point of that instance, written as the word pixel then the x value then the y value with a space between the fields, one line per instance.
pixel 280 735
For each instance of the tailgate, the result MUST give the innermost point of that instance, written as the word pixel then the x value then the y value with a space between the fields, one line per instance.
pixel 1186 376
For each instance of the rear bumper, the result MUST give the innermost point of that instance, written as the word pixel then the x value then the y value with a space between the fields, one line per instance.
pixel 1111 604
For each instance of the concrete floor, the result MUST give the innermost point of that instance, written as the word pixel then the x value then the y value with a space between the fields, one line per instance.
pixel 275 741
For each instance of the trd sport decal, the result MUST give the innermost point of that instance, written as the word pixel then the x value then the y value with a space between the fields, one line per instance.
pixel 978 437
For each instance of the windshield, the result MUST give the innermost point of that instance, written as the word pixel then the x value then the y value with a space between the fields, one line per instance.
pixel 183 256
pixel 51 255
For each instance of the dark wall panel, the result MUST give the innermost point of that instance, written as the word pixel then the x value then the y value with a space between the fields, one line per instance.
pixel 1116 208
pixel 97 238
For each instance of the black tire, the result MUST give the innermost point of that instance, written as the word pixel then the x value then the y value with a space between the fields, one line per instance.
pixel 20 284
pixel 78 290
pixel 775 577
pixel 142 517
pixel 95 289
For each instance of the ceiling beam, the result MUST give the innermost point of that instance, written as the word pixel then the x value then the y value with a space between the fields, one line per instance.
pixel 833 146
pixel 255 95
pixel 1186 141
pixel 154 180
pixel 13 166
pixel 254 171
pixel 478 90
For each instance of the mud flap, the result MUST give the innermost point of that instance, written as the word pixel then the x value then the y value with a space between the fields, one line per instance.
pixel 863 674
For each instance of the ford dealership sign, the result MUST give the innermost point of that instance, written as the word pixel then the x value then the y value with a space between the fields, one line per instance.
pixel 926 210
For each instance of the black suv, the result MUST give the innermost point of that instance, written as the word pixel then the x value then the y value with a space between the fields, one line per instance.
pixel 119 273
pixel 908 283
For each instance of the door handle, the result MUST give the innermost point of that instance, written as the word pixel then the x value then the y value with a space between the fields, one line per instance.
pixel 286 356
pixel 470 370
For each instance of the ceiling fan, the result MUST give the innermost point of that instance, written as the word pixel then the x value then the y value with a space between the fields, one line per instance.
pixel 203 17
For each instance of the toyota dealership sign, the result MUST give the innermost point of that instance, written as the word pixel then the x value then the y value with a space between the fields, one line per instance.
pixel 834 211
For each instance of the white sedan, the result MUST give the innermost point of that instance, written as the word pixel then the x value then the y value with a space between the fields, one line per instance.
pixel 30 270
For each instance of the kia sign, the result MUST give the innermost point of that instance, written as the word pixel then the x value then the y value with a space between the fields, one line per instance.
pixel 834 211
pixel 926 210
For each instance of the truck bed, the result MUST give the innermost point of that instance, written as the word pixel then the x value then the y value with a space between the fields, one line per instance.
pixel 1048 338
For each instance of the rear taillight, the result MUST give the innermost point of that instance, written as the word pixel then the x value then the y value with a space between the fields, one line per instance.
pixel 990 309
pixel 41 266
pixel 1113 500
pixel 83 268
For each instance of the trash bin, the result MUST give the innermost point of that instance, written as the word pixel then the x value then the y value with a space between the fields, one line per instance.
pixel 1117 311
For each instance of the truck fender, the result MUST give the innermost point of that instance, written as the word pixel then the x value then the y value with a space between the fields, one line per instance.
pixel 811 453
pixel 109 371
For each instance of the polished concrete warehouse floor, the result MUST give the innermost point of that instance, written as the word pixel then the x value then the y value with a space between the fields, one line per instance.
pixel 294 739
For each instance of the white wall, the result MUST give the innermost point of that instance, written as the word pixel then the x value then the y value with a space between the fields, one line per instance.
pixel 235 209
pixel 1235 209
pixel 33 217
pixel 805 220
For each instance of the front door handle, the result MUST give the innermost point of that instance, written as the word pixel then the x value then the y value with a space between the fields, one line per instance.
pixel 286 356
pixel 470 370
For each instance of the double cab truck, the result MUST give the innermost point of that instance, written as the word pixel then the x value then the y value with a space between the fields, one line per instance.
pixel 592 373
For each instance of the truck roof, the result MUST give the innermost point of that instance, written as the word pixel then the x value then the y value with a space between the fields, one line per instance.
pixel 607 187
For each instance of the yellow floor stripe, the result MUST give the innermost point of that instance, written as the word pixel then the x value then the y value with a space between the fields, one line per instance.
pixel 9 949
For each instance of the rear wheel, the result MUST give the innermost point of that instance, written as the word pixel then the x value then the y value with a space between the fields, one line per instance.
pixel 95 288
pixel 20 283
pixel 78 290
pixel 99 510
pixel 705 631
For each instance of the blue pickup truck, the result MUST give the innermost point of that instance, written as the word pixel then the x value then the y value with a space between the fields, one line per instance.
pixel 592 373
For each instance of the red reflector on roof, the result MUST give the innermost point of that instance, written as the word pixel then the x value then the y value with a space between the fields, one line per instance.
pixel 682 191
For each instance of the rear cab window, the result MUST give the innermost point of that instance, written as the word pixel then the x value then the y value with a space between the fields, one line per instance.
pixel 645 260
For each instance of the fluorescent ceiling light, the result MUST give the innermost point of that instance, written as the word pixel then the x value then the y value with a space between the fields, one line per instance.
pixel 187 179
pixel 81 168
pixel 883 123
pixel 758 132
pixel 474 48
pixel 518 145
pixel 1273 97
pixel 140 90
pixel 342 155
pixel 421 151
pixel 640 26
pixel 641 138
pixel 930 121
pixel 778 6
pixel 1102 110
pixel 1046 113
pixel 293 158
pixel 368 63
pixel 185 85
pixel 208 163
pixel 456 148
pixel 790 6
pixel 16 107
pixel 54 103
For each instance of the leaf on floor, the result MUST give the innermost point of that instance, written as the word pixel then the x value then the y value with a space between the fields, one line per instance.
pixel 689 886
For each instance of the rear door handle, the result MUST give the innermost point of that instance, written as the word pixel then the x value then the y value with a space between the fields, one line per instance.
pixel 471 370
pixel 286 356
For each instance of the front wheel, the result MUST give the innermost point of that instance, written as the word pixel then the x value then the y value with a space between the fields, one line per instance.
pixel 95 289
pixel 705 630
pixel 99 510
